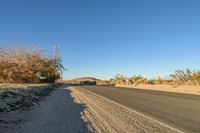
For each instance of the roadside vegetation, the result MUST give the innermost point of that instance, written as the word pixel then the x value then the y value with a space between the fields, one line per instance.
pixel 27 75
pixel 27 65
pixel 179 77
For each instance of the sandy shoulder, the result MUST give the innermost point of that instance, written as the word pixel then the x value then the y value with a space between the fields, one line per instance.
pixel 58 113
pixel 105 116
pixel 185 89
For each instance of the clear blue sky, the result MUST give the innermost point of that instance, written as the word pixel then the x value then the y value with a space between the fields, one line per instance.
pixel 103 37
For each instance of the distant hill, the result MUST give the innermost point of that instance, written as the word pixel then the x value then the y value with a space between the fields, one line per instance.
pixel 81 79
pixel 86 78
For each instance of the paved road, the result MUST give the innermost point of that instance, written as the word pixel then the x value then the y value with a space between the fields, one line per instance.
pixel 181 111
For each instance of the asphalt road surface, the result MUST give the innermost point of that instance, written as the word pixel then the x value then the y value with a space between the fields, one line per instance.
pixel 181 111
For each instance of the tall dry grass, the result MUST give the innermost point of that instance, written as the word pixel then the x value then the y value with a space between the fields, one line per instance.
pixel 187 77
pixel 23 65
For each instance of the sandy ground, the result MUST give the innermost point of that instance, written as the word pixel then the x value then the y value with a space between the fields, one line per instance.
pixel 56 114
pixel 105 116
pixel 186 89
pixel 76 110
pixel 8 86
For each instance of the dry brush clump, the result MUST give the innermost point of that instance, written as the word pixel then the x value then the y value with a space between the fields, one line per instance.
pixel 187 77
pixel 119 79
pixel 23 65
pixel 138 79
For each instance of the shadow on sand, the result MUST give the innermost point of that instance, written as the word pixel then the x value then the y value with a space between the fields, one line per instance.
pixel 57 113
pixel 83 126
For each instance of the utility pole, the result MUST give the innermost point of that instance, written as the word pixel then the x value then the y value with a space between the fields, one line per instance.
pixel 55 55
pixel 56 59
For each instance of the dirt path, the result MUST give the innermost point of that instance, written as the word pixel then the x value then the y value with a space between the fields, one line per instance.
pixel 57 114
pixel 107 116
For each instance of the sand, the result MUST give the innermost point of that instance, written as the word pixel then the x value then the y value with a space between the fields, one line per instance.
pixel 185 89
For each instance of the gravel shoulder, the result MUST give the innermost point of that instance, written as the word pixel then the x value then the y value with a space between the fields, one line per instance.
pixel 58 113
pixel 106 116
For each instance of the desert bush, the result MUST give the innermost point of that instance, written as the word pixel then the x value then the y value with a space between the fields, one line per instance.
pixel 186 77
pixel 196 77
pixel 119 79
pixel 23 65
pixel 137 79
pixel 150 81
pixel 180 77
pixel 140 81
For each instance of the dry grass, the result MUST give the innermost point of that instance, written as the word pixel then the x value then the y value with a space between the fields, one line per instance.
pixel 23 65
pixel 186 77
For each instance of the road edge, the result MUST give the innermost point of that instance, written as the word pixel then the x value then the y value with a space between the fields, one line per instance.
pixel 138 113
